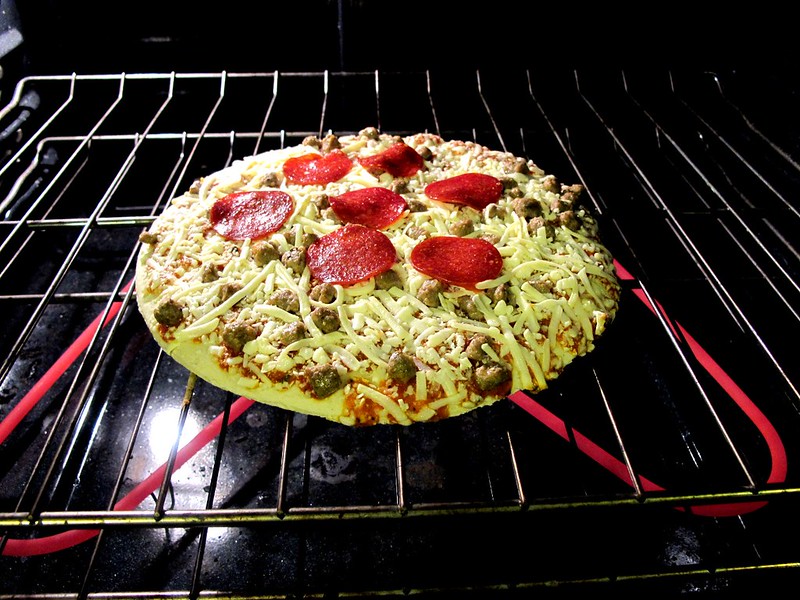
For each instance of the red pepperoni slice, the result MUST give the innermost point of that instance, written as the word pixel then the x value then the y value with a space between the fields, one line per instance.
pixel 471 189
pixel 457 260
pixel 374 207
pixel 350 254
pixel 400 160
pixel 253 215
pixel 317 169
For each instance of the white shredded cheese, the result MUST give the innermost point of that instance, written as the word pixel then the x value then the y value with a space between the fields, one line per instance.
pixel 556 293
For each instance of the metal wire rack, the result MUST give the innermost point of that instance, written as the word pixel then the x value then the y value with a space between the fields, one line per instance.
pixel 662 459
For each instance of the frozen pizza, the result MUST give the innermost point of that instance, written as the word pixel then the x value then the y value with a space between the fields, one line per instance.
pixel 377 279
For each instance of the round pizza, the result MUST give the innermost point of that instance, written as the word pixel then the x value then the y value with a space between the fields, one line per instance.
pixel 377 279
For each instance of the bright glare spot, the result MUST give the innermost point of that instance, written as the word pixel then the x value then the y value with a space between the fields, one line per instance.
pixel 164 430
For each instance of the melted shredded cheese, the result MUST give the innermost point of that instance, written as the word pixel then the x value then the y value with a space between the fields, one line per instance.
pixel 559 282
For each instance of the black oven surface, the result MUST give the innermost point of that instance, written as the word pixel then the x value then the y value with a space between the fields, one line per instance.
pixel 662 462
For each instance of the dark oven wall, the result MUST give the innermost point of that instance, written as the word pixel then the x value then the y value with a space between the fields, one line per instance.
pixel 145 36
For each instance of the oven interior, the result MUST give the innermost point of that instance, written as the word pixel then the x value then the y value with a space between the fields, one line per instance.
pixel 661 462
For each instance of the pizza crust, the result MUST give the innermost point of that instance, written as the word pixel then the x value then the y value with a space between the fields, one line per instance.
pixel 555 271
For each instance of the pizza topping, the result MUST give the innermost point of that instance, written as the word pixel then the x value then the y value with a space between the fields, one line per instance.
pixel 236 335
pixel 570 194
pixel 527 208
pixel 147 237
pixel 169 313
pixel 469 308
pixel 550 184
pixel 264 252
pixel 370 133
pixel 537 223
pixel 374 207
pixel 294 259
pixel 569 220
pixel 429 292
pixel 326 319
pixel 492 374
pixel 500 293
pixel 290 333
pixel 324 379
pixel 470 189
pixel 253 214
pixel 330 142
pixel 456 260
pixel 388 280
pixel 323 292
pixel 284 299
pixel 462 227
pixel 398 160
pixel 229 289
pixel 401 367
pixel 350 254
pixel 425 152
pixel 474 350
pixel 210 273
pixel 399 186
pixel 317 169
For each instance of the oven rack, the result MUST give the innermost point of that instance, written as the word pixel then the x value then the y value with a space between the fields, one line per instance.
pixel 671 154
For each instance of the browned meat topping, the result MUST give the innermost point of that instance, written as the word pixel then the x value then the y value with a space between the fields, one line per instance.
pixel 210 273
pixel 491 375
pixel 236 335
pixel 424 152
pixel 169 312
pixel 323 292
pixel 401 367
pixel 270 179
pixel 462 227
pixel 538 222
pixel 399 185
pixel 324 380
pixel 474 350
pixel 294 259
pixel 148 238
pixel 521 166
pixel 550 184
pixel 501 292
pixel 415 205
pixel 327 319
pixel 264 252
pixel 569 219
pixel 371 133
pixel 527 208
pixel 469 308
pixel 429 292
pixel 545 286
pixel 388 279
pixel 571 193
pixel 306 239
pixel 493 211
pixel 229 289
pixel 285 299
pixel 321 201
pixel 330 142
pixel 291 333
pixel 514 192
